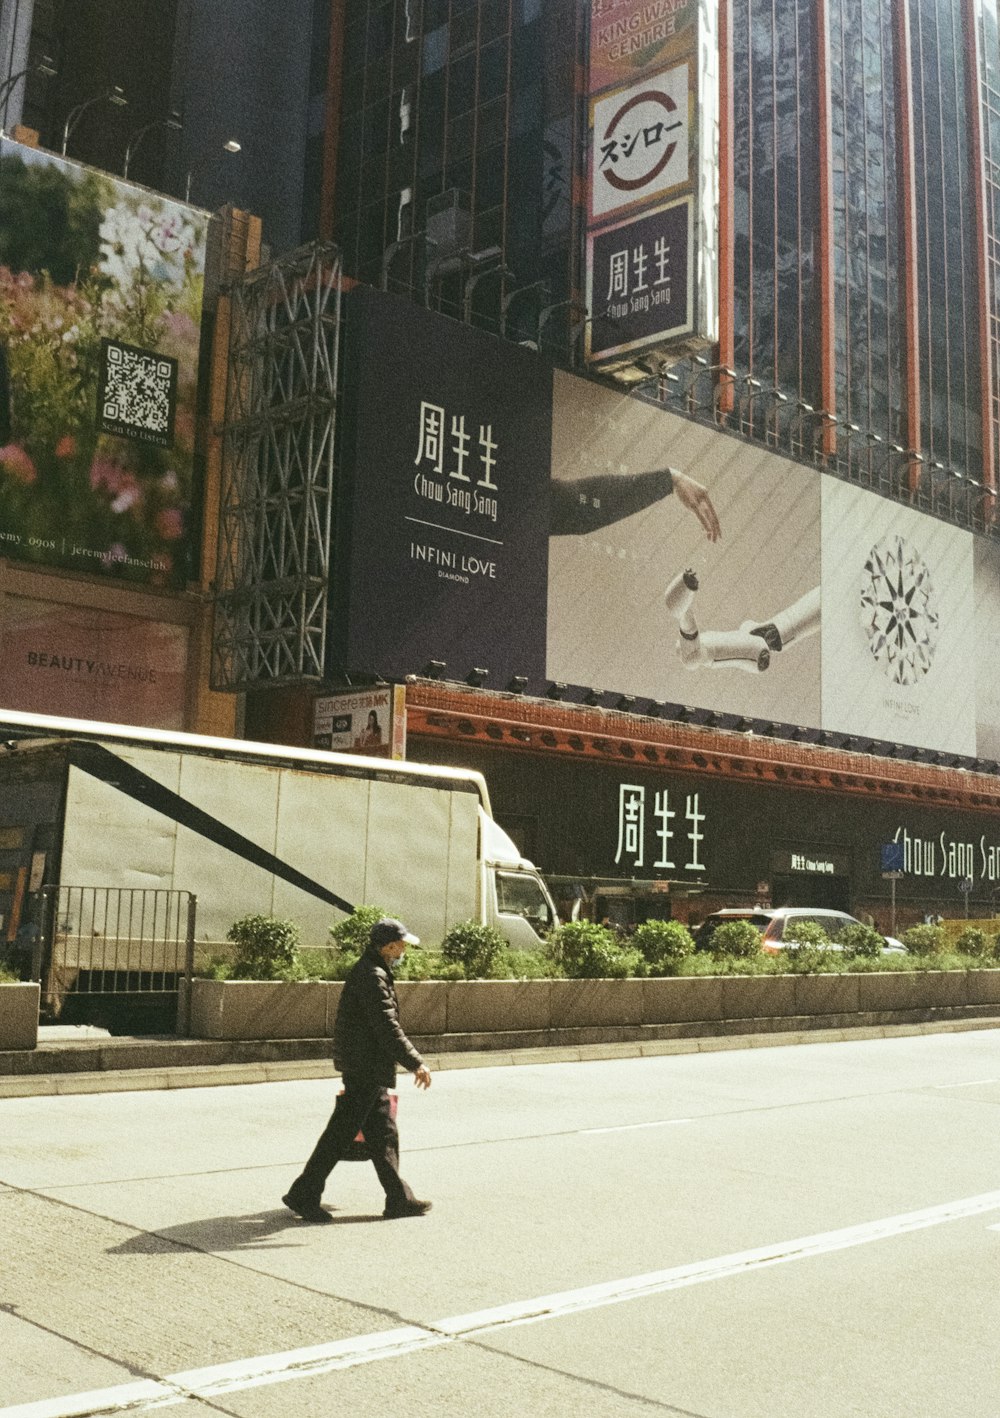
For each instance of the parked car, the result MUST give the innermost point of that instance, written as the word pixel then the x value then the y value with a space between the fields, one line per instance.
pixel 773 925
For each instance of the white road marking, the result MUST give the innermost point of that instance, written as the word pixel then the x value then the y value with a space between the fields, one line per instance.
pixel 974 1083
pixel 633 1127
pixel 365 1349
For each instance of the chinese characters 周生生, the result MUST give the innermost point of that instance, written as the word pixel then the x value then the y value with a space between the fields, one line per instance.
pixel 440 442
pixel 632 829
pixel 628 271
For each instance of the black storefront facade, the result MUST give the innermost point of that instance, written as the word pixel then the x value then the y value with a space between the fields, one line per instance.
pixel 650 819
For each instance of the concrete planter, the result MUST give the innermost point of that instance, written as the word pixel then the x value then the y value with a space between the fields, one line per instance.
pixel 249 1009
pixel 19 1016
pixel 576 1004
pixel 983 986
pixel 263 1009
pixel 682 1001
pixel 475 1006
pixel 758 996
pixel 827 994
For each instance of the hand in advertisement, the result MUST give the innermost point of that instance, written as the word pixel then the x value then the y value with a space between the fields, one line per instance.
pixel 695 498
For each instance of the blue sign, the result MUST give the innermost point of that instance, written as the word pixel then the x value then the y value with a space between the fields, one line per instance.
pixel 892 856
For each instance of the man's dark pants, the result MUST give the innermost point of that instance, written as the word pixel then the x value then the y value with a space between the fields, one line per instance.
pixel 363 1106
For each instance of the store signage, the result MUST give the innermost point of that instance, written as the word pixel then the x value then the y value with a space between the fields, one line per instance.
pixel 368 721
pixel 810 863
pixel 631 37
pixel 640 142
pixel 640 279
pixel 660 828
pixel 447 496
pixel 653 140
pixel 977 858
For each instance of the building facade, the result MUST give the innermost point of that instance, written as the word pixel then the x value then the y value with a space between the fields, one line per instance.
pixel 467 502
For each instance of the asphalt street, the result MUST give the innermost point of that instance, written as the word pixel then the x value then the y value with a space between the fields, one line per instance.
pixel 809 1232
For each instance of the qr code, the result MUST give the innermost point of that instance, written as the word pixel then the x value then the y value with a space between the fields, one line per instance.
pixel 137 393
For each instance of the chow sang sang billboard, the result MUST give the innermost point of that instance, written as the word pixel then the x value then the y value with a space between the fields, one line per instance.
pixel 511 520
pixel 448 503
pixel 100 315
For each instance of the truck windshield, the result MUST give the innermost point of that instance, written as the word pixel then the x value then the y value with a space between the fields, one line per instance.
pixel 521 895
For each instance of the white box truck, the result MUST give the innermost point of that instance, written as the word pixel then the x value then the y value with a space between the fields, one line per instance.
pixel 250 828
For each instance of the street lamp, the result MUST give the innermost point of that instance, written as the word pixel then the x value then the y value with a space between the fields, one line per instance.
pixel 172 121
pixel 45 66
pixel 230 146
pixel 115 95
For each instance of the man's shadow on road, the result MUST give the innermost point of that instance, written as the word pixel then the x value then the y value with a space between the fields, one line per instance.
pixel 260 1230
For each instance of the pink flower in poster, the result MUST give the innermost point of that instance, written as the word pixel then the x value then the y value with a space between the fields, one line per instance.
pixel 66 447
pixel 128 495
pixel 170 524
pixel 17 464
pixel 106 474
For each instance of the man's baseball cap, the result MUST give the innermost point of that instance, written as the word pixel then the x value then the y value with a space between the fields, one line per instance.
pixel 388 929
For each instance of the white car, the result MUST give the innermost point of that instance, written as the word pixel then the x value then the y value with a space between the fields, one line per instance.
pixel 773 925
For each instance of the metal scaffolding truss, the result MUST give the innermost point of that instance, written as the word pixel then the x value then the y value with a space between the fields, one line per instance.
pixel 276 508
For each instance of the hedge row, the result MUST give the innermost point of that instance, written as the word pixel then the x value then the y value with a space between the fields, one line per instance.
pixel 267 948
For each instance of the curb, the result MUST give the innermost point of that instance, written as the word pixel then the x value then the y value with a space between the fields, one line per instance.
pixel 290 1070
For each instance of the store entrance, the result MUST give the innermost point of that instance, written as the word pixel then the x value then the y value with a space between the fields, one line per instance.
pixel 833 893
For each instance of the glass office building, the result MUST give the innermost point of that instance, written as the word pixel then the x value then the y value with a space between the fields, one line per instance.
pixel 859 166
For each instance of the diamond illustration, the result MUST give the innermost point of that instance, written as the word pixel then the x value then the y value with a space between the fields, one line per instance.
pixel 899 610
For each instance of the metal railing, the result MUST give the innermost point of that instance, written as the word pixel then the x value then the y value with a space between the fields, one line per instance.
pixel 115 941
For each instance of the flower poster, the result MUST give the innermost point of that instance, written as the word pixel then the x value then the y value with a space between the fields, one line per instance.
pixel 100 315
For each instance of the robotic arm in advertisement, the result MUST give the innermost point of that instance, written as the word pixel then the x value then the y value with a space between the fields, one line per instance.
pixel 751 646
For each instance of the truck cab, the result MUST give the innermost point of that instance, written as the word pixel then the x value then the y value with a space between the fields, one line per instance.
pixel 515 898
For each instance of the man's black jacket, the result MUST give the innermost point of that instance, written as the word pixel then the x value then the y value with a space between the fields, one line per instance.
pixel 368 1040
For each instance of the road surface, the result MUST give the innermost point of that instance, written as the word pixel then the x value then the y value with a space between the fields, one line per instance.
pixel 808 1232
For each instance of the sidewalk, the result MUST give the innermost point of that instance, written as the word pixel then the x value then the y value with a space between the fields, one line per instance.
pixel 86 1059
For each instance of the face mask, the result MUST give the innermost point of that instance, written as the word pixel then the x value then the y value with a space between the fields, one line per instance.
pixel 399 959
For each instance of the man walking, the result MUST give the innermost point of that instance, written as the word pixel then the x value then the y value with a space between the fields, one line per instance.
pixel 368 1043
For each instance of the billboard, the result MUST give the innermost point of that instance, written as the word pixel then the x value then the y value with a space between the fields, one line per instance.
pixel 757 586
pixel 448 499
pixel 100 317
pixel 86 663
pixel 653 144
pixel 632 37
pixel 630 549
pixel 368 721
pixel 642 628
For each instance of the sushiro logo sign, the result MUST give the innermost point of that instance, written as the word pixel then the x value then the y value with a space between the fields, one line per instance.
pixel 640 141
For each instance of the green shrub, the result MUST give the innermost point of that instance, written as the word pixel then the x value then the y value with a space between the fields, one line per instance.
pixel 861 942
pixel 525 965
pixel 588 951
pixel 974 943
pixel 663 945
pixel 216 967
pixel 7 977
pixel 266 948
pixel 475 947
pixel 736 940
pixel 924 940
pixel 801 932
pixel 812 958
pixel 351 934
pixel 429 965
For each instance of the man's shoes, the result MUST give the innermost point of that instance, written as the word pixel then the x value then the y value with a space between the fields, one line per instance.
pixel 406 1208
pixel 308 1210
